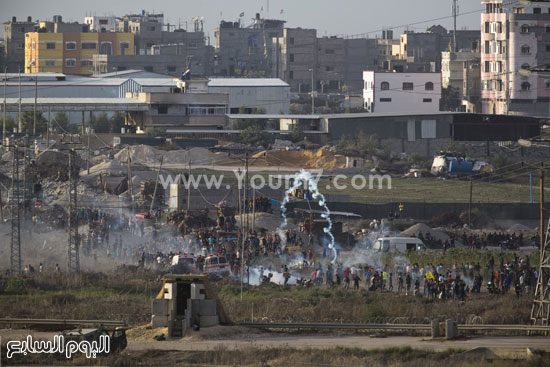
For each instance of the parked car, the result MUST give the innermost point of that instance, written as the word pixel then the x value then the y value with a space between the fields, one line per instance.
pixel 402 244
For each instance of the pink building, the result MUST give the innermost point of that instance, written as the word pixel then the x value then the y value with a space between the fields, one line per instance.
pixel 515 37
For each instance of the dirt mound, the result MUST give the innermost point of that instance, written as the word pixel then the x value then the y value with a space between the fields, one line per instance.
pixel 421 227
pixel 55 165
pixel 148 155
pixel 321 158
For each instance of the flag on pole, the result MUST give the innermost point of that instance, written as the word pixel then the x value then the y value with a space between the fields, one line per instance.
pixel 282 11
pixel 242 14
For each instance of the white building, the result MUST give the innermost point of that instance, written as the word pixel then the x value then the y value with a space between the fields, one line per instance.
pixel 401 92
pixel 101 24
pixel 269 94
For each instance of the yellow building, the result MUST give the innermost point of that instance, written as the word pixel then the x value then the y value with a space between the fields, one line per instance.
pixel 72 53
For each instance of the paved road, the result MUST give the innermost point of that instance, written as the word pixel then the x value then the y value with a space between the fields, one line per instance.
pixel 302 342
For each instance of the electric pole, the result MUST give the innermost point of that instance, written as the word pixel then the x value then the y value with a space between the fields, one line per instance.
pixel 74 242
pixel 540 311
pixel 5 106
pixel 188 188
pixel 19 121
pixel 15 255
pixel 130 182
pixel 35 102
pixel 455 14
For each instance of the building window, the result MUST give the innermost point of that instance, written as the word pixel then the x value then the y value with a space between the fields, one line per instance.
pixel 547 83
pixel 487 66
pixel 429 86
pixel 21 45
pixel 487 30
pixel 291 41
pixel 70 63
pixel 106 48
pixel 88 45
pixel 50 45
pixel 385 99
pixel 86 63
pixel 408 86
pixel 153 29
pixel 291 58
pixel 525 49
pixel 162 109
pixel 50 63
pixel 525 86
pixel 366 85
pixel 148 68
pixel 21 29
pixel 329 51
pixel 291 75
pixel 427 100
pixel 548 29
pixel 193 44
pixel 384 86
pixel 525 28
pixel 547 48
pixel 124 45
pixel 536 11
pixel 70 45
pixel 487 47
pixel 103 21
pixel 329 68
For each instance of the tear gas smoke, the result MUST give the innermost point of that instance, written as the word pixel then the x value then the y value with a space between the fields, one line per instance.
pixel 301 178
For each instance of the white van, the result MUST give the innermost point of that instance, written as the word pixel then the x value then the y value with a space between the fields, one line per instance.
pixel 401 244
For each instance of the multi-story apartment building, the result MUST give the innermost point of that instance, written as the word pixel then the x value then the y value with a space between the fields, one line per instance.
pixel 72 53
pixel 461 70
pixel 330 64
pixel 101 23
pixel 388 92
pixel 246 50
pixel 516 39
pixel 14 43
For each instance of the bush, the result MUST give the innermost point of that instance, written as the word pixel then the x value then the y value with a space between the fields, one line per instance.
pixel 15 286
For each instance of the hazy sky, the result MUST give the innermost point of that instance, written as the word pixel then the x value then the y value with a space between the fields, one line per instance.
pixel 329 17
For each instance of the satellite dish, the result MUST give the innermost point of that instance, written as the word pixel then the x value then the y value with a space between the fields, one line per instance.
pixel 201 19
pixel 195 19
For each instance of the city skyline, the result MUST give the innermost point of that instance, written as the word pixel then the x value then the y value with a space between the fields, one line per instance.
pixel 357 18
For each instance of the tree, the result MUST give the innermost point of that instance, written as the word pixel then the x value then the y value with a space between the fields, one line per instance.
pixel 296 134
pixel 28 122
pixel 100 123
pixel 254 136
pixel 117 122
pixel 450 99
pixel 10 123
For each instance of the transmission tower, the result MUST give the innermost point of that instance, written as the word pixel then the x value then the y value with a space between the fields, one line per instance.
pixel 27 185
pixel 73 248
pixel 15 259
pixel 540 312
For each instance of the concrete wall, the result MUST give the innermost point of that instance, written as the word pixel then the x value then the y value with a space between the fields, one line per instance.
pixel 273 100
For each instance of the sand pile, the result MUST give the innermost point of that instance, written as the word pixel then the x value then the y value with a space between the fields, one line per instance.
pixel 421 227
pixel 321 158
pixel 112 167
pixel 148 155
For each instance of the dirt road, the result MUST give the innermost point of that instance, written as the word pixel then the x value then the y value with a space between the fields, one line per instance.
pixel 363 342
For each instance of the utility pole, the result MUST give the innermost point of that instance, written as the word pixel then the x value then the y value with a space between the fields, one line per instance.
pixel 188 188
pixel 312 94
pixel 88 160
pixel 15 255
pixel 253 209
pixel 74 243
pixel 5 107
pixel 246 193
pixel 470 204
pixel 49 126
pixel 540 311
pixel 130 182
pixel 35 103
pixel 455 14
pixel 19 121
pixel 156 185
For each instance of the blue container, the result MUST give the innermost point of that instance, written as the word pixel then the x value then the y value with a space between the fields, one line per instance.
pixel 460 166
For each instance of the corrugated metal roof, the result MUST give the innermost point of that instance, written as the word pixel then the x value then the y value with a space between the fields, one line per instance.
pixel 74 101
pixel 247 82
